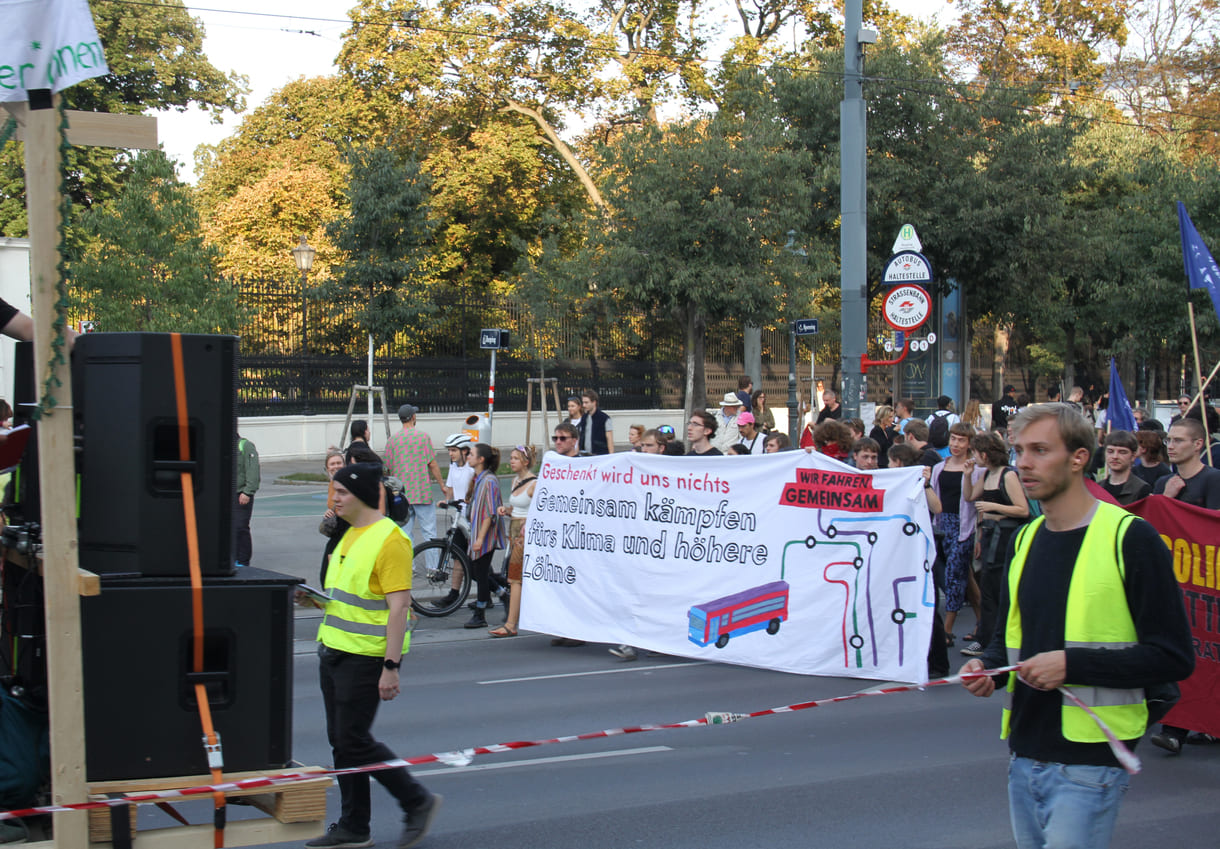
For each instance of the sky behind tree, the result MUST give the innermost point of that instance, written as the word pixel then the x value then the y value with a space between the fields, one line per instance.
pixel 276 41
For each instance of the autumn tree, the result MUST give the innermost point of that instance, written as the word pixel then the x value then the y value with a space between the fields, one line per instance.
pixel 142 263
pixel 1025 42
pixel 155 55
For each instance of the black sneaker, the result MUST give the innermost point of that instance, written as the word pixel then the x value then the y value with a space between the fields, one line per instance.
pixel 973 650
pixel 338 837
pixel 418 821
pixel 1167 742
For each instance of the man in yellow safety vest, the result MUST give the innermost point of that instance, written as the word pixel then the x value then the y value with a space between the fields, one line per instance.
pixel 1090 605
pixel 361 641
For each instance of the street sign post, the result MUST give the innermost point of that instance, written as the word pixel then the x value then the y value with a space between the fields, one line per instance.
pixel 492 339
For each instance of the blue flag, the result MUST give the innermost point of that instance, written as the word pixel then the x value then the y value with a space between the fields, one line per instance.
pixel 1201 269
pixel 1118 410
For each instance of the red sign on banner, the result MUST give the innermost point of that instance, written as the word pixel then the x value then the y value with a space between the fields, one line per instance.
pixel 1193 535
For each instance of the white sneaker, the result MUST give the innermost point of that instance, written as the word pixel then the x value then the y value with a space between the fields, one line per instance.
pixel 624 651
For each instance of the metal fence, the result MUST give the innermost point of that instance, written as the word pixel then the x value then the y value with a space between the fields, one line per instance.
pixel 299 354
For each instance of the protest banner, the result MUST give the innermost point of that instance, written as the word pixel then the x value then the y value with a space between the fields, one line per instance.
pixel 791 561
pixel 1193 535
pixel 47 44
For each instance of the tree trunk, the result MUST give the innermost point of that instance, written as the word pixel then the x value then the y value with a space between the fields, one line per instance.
pixel 1003 332
pixel 696 380
pixel 1069 360
pixel 752 353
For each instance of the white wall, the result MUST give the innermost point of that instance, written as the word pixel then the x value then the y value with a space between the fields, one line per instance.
pixel 307 437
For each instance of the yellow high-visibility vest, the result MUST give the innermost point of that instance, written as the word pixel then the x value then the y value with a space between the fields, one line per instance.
pixel 356 619
pixel 1097 617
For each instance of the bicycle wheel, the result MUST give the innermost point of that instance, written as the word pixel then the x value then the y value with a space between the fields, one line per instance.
pixel 431 583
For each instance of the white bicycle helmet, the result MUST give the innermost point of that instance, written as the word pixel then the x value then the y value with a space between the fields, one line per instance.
pixel 458 440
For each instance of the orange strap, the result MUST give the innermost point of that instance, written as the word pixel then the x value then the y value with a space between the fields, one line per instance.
pixel 210 738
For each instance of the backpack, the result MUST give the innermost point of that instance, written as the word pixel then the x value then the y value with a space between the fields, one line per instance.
pixel 938 430
pixel 397 507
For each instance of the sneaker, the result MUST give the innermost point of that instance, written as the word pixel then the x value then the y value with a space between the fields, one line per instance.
pixel 338 837
pixel 973 650
pixel 1167 742
pixel 418 821
pixel 1202 738
pixel 625 652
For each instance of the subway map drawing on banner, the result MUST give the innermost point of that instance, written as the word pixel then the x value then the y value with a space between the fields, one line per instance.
pixel 790 561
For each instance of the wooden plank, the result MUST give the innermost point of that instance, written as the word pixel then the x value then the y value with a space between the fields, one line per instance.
pixel 87 583
pixel 152 785
pixel 240 833
pixel 64 668
pixel 98 129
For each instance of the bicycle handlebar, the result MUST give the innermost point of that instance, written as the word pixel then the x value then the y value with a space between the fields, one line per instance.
pixel 455 504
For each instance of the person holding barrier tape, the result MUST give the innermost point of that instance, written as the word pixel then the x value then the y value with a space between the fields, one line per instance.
pixel 1090 603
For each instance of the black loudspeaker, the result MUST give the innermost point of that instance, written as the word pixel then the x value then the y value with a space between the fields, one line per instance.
pixel 141 718
pixel 131 499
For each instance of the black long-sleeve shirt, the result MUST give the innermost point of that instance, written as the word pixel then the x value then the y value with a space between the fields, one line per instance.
pixel 1164 651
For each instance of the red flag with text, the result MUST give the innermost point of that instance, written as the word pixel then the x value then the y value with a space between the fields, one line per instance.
pixel 1193 535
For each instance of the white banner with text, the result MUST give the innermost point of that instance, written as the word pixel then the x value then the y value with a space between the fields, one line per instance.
pixel 791 561
pixel 47 44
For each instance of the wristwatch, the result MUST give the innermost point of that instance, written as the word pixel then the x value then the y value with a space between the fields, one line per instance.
pixel 392 664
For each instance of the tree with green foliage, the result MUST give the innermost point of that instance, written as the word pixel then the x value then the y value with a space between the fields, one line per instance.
pixel 700 212
pixel 155 54
pixel 384 243
pixel 141 262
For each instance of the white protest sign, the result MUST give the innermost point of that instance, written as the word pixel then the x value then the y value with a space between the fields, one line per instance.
pixel 47 44
pixel 790 561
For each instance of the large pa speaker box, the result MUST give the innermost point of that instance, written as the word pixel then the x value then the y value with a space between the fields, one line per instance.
pixel 131 500
pixel 141 718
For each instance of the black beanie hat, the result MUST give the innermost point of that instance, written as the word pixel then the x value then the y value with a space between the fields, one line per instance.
pixel 362 480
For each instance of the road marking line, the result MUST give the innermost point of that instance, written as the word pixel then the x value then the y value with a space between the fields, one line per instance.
pixel 645 750
pixel 595 672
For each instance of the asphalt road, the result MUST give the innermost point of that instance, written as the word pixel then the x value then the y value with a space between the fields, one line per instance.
pixel 918 769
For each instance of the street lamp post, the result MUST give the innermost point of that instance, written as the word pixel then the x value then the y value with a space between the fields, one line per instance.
pixel 303 254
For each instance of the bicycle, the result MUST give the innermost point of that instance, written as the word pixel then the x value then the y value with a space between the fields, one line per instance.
pixel 441 588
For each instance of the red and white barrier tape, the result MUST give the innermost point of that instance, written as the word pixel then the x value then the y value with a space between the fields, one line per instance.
pixel 463 757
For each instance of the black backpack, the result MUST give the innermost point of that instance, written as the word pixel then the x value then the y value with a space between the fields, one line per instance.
pixel 396 505
pixel 938 430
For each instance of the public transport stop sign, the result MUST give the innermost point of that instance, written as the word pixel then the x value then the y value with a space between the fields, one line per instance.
pixel 907 307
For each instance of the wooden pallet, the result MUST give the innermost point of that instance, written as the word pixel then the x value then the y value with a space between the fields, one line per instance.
pixel 298 809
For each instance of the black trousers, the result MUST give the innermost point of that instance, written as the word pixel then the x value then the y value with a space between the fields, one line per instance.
pixel 480 570
pixel 349 691
pixel 241 522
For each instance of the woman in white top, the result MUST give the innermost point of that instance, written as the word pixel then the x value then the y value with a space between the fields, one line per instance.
pixel 521 461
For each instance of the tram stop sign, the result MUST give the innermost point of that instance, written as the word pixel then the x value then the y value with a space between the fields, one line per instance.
pixel 907 307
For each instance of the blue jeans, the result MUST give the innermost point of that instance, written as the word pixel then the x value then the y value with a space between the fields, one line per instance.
pixel 1063 806
pixel 425 516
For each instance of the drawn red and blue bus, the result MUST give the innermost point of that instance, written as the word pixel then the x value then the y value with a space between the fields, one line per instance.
pixel 750 610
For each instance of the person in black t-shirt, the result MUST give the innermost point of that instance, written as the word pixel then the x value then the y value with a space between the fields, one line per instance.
pixel 17 325
pixel 1120 450
pixel 1065 783
pixel 699 432
pixel 1191 482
